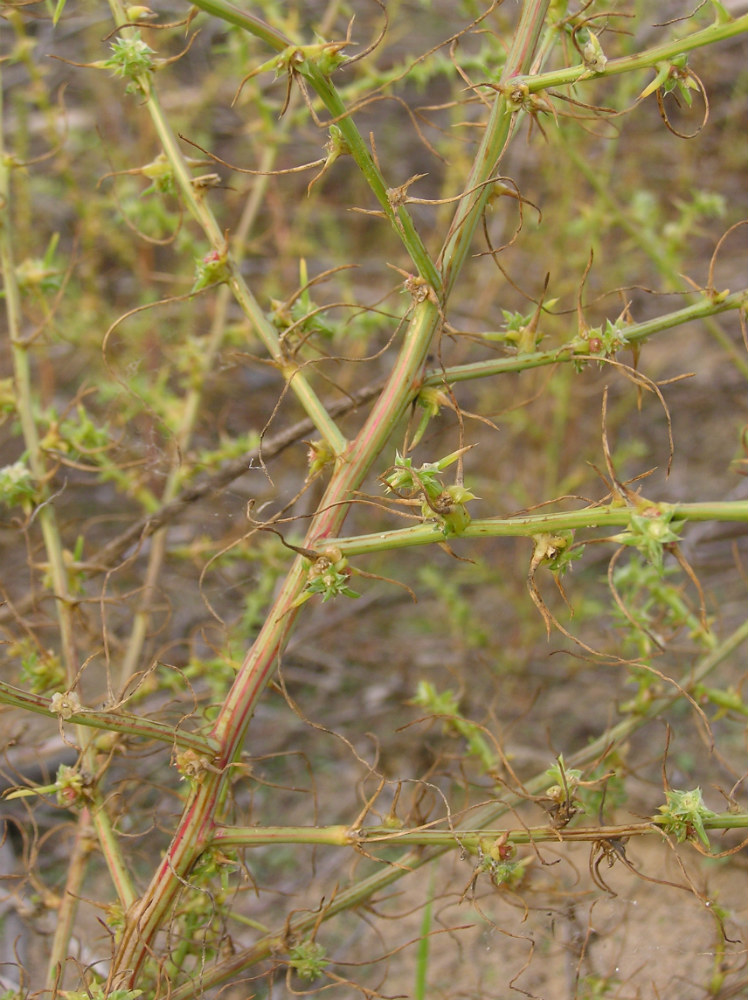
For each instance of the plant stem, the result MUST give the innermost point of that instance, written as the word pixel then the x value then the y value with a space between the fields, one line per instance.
pixel 398 216
pixel 496 136
pixel 83 844
pixel 342 836
pixel 422 957
pixel 114 721
pixel 640 60
pixel 232 14
pixel 635 333
pixel 258 836
pixel 194 831
pixel 606 515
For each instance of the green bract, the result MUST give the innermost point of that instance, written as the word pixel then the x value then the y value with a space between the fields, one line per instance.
pixel 650 531
pixel 131 57
pixel 308 960
pixel 16 484
pixel 683 815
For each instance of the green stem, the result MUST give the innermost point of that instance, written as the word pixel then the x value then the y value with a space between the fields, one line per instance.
pixel 258 836
pixel 496 136
pixel 420 991
pixel 398 216
pixel 470 840
pixel 112 853
pixel 77 863
pixel 115 722
pixel 231 14
pixel 641 60
pixel 608 515
pixel 634 333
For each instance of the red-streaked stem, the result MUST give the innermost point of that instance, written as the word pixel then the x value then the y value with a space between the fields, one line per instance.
pixel 195 828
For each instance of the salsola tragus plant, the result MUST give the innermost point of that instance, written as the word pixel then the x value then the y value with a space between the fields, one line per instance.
pixel 304 312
